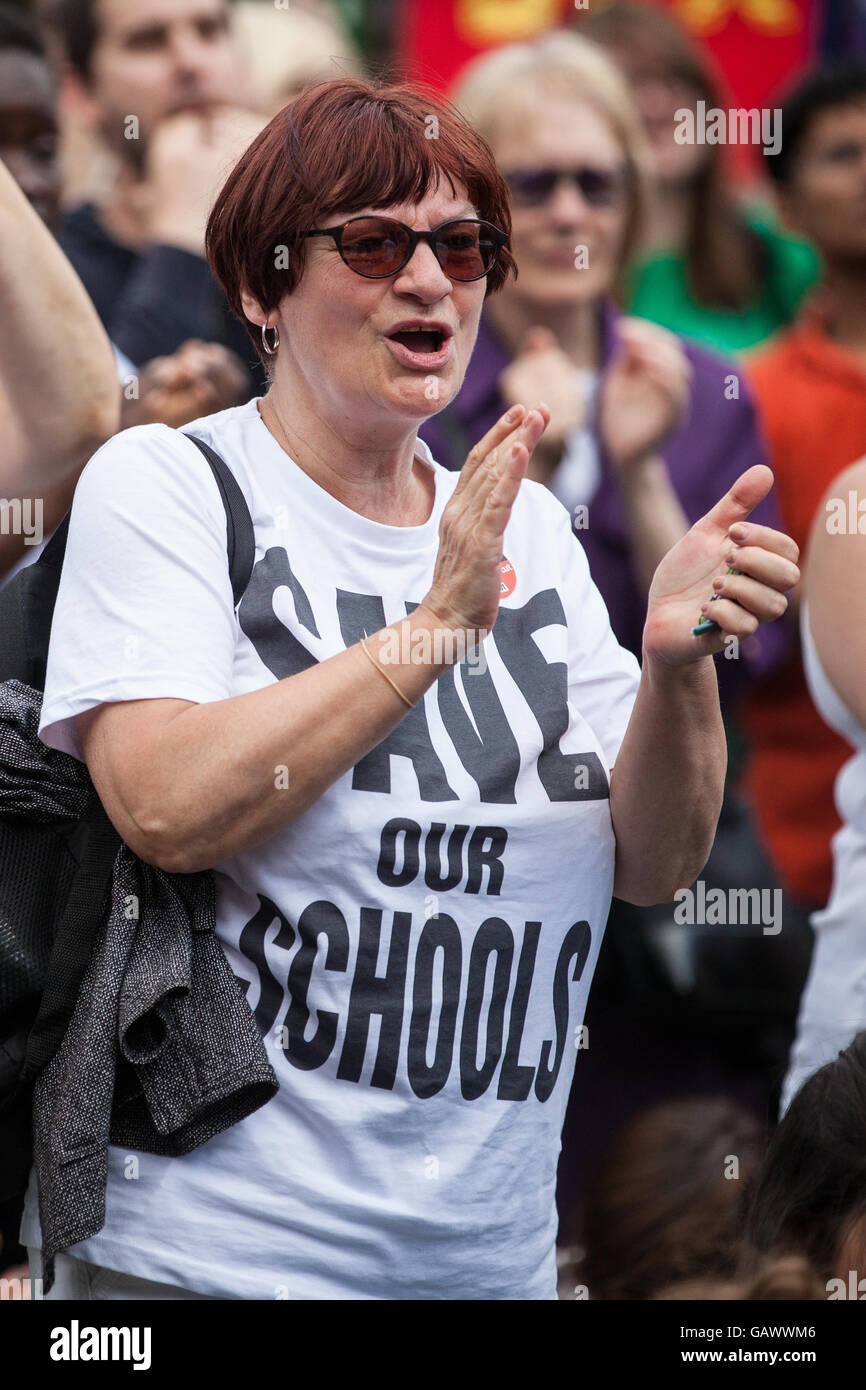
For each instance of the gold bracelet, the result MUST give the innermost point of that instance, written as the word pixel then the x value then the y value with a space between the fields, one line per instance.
pixel 385 674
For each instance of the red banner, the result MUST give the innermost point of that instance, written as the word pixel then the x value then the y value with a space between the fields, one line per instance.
pixel 758 44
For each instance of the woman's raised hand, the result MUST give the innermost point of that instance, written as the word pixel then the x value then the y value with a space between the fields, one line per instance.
pixel 695 568
pixel 464 595
pixel 644 394
pixel 541 367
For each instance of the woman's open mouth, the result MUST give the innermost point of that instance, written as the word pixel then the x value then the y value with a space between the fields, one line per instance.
pixel 424 349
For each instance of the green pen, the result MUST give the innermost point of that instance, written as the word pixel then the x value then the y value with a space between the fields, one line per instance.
pixel 707 624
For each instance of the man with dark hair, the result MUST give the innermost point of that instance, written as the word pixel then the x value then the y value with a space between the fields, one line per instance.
pixel 823 91
pixel 811 391
pixel 157 82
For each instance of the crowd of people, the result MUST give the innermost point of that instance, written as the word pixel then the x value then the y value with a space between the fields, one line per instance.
pixel 649 337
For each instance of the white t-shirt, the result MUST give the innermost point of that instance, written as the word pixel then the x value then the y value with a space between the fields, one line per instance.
pixel 418 945
pixel 833 1003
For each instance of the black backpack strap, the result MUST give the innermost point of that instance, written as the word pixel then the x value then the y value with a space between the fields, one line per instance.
pixel 240 535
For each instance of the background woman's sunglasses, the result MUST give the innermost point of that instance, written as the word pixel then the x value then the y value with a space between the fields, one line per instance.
pixel 379 246
pixel 600 187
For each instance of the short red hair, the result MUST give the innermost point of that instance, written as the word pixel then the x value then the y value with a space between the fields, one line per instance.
pixel 344 144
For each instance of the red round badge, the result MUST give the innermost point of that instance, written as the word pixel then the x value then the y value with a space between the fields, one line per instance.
pixel 509 578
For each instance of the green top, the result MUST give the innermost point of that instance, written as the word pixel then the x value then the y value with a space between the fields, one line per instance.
pixel 656 289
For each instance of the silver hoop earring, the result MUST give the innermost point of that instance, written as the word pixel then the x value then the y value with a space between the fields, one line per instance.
pixel 270 350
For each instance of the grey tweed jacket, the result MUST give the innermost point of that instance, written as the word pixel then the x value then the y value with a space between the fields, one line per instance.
pixel 162 1051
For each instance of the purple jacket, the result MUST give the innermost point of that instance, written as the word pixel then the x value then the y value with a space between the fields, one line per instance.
pixel 715 444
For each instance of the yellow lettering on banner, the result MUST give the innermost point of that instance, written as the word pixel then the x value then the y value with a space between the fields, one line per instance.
pixel 709 16
pixel 482 22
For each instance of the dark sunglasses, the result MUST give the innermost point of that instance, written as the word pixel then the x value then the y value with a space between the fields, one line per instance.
pixel 600 187
pixel 466 249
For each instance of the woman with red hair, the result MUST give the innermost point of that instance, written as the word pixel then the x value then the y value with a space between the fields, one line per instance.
pixel 415 755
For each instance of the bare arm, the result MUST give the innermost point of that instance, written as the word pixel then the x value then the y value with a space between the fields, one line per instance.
pixel 834 584
pixel 668 781
pixel 59 397
pixel 667 784
pixel 187 785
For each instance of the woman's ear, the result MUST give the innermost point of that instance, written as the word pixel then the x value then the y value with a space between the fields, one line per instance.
pixel 253 309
